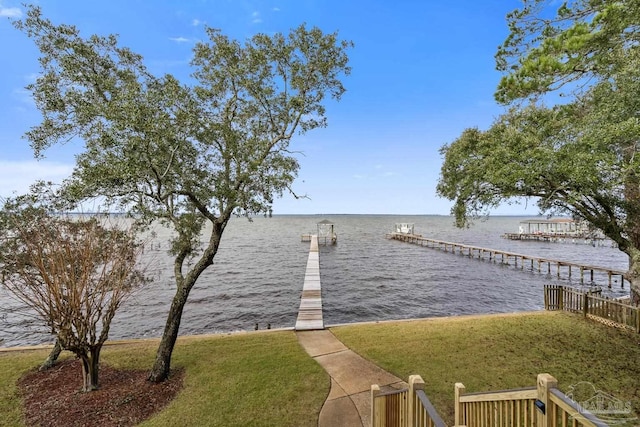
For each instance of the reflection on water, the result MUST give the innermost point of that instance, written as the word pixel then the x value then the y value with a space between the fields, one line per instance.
pixel 258 273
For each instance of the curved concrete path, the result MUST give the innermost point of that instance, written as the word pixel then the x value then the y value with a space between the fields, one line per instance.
pixel 349 401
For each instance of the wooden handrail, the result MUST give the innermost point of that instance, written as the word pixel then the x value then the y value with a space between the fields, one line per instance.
pixel 413 410
pixel 543 406
pixel 392 392
pixel 492 396
pixel 585 417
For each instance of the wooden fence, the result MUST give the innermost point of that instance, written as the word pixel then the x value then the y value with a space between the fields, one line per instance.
pixel 404 408
pixel 592 305
pixel 540 406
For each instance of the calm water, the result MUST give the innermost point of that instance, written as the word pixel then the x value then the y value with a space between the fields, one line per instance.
pixel 258 274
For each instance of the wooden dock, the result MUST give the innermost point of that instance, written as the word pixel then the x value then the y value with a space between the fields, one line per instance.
pixel 563 238
pixel 518 259
pixel 310 312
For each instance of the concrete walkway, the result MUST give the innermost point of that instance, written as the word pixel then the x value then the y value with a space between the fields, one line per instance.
pixel 349 401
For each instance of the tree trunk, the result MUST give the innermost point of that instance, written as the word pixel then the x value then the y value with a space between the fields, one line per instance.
pixel 90 363
pixel 633 276
pixel 162 364
pixel 53 356
pixel 632 221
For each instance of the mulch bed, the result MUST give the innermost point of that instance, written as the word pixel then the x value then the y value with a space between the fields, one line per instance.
pixel 125 398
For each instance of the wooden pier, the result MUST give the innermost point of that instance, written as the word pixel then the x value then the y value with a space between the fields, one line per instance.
pixel 503 257
pixel 562 238
pixel 310 311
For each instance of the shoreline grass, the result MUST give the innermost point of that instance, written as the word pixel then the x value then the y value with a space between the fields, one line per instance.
pixel 267 379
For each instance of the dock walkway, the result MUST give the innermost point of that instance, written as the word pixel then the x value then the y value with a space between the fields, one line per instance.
pixel 494 254
pixel 310 311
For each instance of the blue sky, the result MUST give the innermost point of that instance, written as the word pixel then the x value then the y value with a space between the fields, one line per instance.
pixel 422 72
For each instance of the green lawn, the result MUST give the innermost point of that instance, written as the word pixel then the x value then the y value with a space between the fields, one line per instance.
pixel 497 353
pixel 12 366
pixel 266 379
pixel 263 379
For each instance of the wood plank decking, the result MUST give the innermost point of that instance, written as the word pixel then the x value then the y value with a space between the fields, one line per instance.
pixel 494 254
pixel 310 312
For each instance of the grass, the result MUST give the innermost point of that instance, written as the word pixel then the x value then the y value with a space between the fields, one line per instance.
pixel 497 353
pixel 266 379
pixel 12 366
pixel 263 379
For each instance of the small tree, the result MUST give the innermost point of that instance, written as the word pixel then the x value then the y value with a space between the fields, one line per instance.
pixel 74 273
pixel 189 156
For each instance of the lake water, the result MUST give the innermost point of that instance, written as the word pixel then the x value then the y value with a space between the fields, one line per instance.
pixel 258 274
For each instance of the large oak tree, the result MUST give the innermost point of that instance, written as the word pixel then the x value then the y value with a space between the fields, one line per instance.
pixel 189 155
pixel 570 136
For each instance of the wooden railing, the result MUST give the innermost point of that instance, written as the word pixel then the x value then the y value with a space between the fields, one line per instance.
pixel 563 412
pixel 540 406
pixel 592 305
pixel 498 408
pixel 404 408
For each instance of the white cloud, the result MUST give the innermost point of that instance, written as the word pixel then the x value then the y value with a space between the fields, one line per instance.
pixel 17 176
pixel 256 18
pixel 179 39
pixel 24 96
pixel 276 9
pixel 10 12
pixel 196 22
